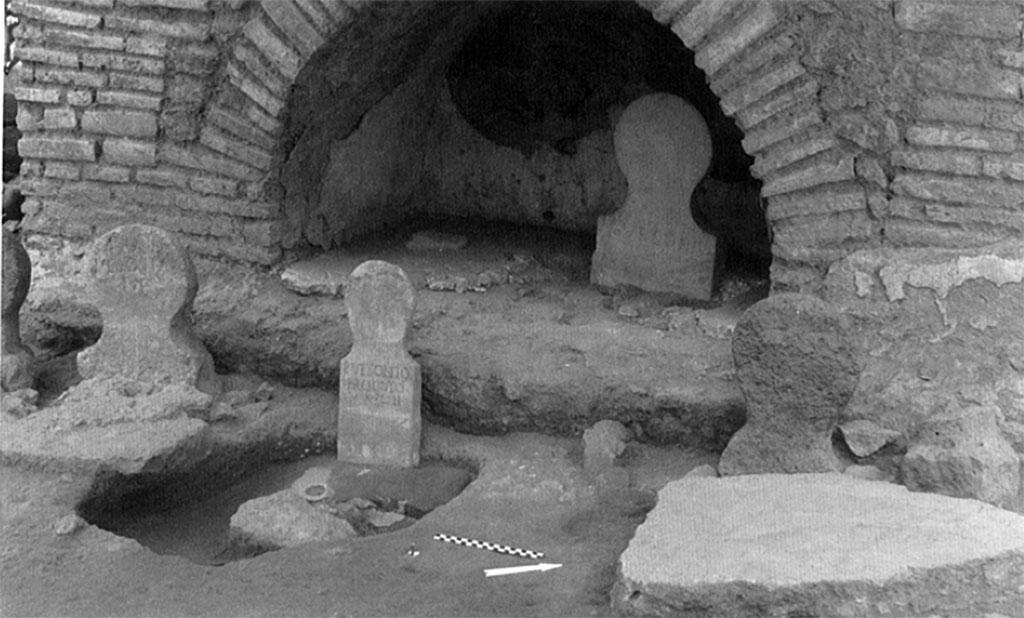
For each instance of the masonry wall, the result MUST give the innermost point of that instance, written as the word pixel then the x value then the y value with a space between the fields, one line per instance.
pixel 894 123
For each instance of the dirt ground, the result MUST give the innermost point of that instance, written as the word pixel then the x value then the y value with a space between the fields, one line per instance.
pixel 530 492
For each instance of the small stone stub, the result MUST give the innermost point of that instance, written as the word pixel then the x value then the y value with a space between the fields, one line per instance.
pixel 380 384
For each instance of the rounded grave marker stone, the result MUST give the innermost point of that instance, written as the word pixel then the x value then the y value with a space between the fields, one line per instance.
pixel 664 148
pixel 143 283
pixel 379 384
pixel 797 368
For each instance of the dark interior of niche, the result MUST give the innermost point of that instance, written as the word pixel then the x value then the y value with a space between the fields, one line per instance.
pixel 545 74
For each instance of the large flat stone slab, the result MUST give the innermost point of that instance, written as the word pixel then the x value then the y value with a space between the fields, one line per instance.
pixel 54 440
pixel 819 545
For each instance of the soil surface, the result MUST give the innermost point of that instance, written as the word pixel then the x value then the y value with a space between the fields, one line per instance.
pixel 530 492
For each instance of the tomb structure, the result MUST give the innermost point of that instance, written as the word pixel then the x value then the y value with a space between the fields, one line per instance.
pixel 17 357
pixel 379 383
pixel 663 147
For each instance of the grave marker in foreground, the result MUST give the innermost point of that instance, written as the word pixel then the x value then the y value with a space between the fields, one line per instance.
pixel 379 384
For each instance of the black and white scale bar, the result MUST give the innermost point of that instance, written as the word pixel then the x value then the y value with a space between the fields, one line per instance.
pixel 495 547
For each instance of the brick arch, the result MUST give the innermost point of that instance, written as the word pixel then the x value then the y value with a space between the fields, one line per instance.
pixel 747 51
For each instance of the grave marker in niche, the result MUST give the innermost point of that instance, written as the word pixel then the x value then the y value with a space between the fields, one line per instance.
pixel 379 384
pixel 652 242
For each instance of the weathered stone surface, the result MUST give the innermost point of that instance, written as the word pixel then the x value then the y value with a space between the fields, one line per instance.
pixel 652 242
pixel 380 384
pixel 864 437
pixel 962 453
pixel 797 369
pixel 324 275
pixel 285 519
pixel 951 323
pixel 602 443
pixel 64 438
pixel 819 545
pixel 17 277
pixel 143 284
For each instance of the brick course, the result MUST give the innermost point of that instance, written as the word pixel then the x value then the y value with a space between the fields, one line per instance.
pixel 120 122
pixel 60 148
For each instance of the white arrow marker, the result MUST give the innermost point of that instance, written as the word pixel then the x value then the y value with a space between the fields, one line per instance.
pixel 543 566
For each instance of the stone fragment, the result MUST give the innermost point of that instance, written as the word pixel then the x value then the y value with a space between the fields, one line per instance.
pixel 285 519
pixel 865 438
pixel 379 383
pixel 322 276
pixel 602 443
pixel 431 240
pixel 797 369
pixel 819 545
pixel 143 284
pixel 962 453
pixel 17 276
pixel 664 149
pixel 702 471
pixel 69 524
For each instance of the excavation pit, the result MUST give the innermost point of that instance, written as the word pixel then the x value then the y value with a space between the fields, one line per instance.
pixel 206 529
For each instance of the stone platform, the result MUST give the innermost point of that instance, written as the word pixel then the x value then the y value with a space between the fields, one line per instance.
pixel 820 545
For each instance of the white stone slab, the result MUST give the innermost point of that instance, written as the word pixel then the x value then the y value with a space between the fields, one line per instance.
pixel 820 545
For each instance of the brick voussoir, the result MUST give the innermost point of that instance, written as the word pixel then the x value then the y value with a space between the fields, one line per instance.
pixel 339 11
pixel 763 52
pixel 200 158
pixel 760 87
pixel 240 127
pixel 258 66
pixel 721 49
pixel 279 53
pixel 825 168
pixel 780 127
pixel 802 89
pixel 300 32
pixel 695 25
pixel 242 151
pixel 319 18
pixel 796 149
pixel 821 200
pixel 254 90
